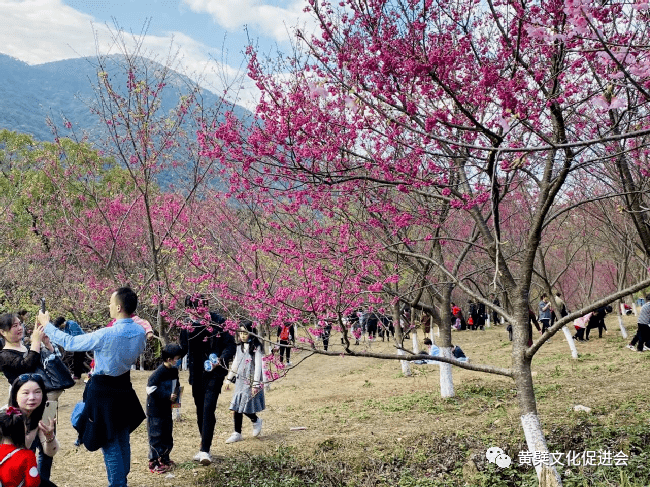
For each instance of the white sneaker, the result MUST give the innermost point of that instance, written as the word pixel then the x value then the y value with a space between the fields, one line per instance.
pixel 234 438
pixel 205 458
pixel 646 349
pixel 288 362
pixel 197 457
pixel 631 347
pixel 257 427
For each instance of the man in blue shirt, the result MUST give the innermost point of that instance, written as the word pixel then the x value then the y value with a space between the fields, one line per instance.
pixel 112 409
pixel 72 328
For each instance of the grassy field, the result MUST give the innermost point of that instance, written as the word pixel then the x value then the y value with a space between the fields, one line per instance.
pixel 365 424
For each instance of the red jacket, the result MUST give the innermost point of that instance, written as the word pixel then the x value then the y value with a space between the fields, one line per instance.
pixel 21 466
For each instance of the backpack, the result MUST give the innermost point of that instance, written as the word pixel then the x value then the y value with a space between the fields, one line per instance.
pixel 9 455
pixel 284 334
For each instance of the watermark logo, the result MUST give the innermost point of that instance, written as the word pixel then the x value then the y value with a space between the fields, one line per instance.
pixel 496 455
pixel 574 458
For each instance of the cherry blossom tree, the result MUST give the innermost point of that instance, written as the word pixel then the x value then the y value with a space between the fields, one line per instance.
pixel 480 106
pixel 126 204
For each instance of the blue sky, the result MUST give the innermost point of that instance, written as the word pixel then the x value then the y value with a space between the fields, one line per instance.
pixel 39 31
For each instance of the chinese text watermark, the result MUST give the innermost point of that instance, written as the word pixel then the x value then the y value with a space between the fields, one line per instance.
pixel 571 458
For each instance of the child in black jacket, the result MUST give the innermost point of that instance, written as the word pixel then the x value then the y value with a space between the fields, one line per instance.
pixel 163 390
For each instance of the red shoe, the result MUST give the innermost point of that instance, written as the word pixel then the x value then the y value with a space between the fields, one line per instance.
pixel 153 465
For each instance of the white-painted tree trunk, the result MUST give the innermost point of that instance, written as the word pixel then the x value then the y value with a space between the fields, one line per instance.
pixel 487 321
pixel 536 443
pixel 406 365
pixel 414 341
pixel 184 363
pixel 446 381
pixel 623 330
pixel 142 361
pixel 634 309
pixel 570 341
pixel 432 335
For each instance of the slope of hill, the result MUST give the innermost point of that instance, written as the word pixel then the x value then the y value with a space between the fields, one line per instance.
pixel 30 94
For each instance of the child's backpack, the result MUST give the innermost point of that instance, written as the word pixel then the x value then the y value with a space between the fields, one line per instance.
pixel 7 457
pixel 284 335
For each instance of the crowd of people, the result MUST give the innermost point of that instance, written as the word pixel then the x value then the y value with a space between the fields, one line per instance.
pixel 214 357
pixel 372 324
pixel 475 316
pixel 111 410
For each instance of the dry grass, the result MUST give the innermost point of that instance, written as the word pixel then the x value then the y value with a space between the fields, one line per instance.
pixel 359 412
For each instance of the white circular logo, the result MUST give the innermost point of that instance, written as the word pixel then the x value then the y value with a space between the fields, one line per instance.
pixel 496 455
pixel 492 453
pixel 503 461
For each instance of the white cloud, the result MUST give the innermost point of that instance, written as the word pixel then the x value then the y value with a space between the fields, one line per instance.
pixel 37 31
pixel 264 19
pixel 40 31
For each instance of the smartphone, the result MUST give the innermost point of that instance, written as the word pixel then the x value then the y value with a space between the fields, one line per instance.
pixel 50 411
pixel 42 305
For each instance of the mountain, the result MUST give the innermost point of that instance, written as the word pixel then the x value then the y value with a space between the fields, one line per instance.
pixel 29 94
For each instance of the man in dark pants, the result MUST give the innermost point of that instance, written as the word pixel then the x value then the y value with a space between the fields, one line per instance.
pixel 203 336
pixel 642 337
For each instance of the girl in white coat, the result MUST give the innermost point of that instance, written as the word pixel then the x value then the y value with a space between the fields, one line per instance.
pixel 246 372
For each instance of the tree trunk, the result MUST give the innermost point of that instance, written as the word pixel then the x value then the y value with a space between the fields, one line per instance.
pixel 572 344
pixel 414 340
pixel 620 324
pixel 632 195
pixel 547 475
pixel 446 370
pixel 406 365
pixel 446 380
pixel 399 337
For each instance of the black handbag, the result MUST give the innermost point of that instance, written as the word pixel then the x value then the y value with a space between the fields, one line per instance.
pixel 55 373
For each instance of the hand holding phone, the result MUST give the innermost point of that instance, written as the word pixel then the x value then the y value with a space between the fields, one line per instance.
pixel 42 305
pixel 49 413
